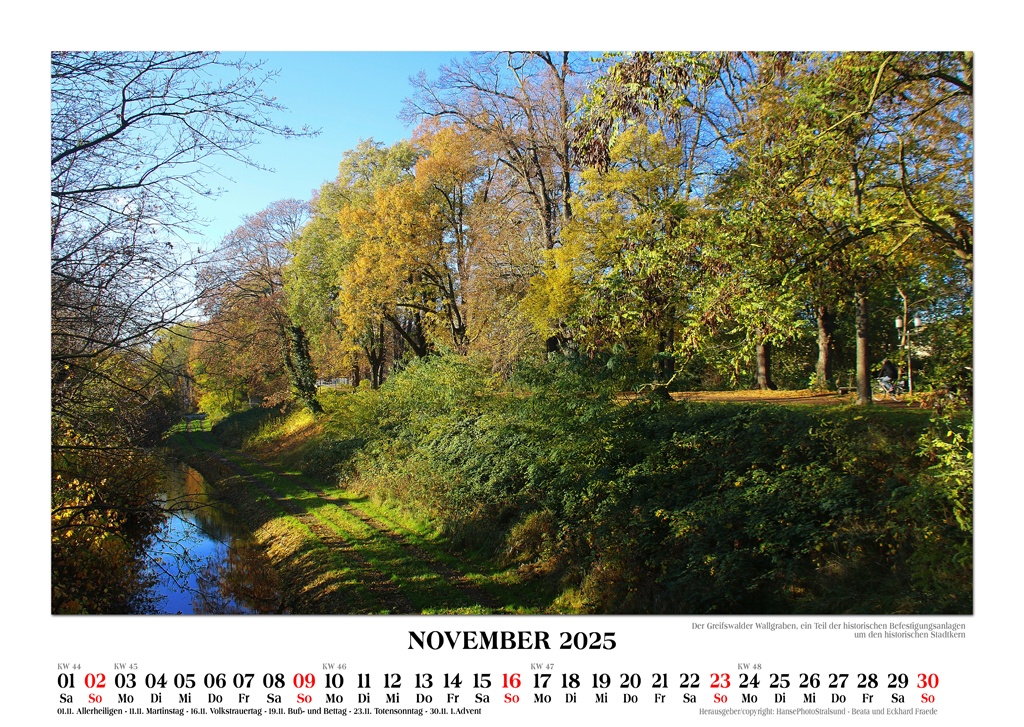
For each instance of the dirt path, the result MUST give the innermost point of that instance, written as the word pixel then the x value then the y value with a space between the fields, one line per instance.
pixel 381 586
pixel 454 578
pixel 403 576
pixel 802 397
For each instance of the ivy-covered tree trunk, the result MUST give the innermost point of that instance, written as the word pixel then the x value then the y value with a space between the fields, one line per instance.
pixel 863 355
pixel 666 362
pixel 377 356
pixel 299 365
pixel 764 366
pixel 826 345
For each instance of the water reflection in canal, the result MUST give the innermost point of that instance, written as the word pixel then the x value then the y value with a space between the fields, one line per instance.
pixel 202 560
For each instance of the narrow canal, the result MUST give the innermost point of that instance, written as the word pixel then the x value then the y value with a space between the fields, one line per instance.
pixel 202 560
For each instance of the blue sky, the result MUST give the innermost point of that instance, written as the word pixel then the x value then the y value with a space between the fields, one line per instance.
pixel 347 95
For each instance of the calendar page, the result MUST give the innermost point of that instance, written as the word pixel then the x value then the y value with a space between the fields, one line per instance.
pixel 515 386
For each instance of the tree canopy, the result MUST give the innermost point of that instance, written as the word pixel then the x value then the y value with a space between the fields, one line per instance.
pixel 648 221
pixel 134 139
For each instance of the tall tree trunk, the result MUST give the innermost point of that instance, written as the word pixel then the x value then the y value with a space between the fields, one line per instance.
pixel 411 332
pixel 764 366
pixel 299 365
pixel 376 360
pixel 376 372
pixel 376 354
pixel 666 362
pixel 863 355
pixel 355 375
pixel 826 330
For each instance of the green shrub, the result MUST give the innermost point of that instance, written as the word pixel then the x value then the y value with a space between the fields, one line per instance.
pixel 940 509
pixel 235 429
pixel 655 506
pixel 330 460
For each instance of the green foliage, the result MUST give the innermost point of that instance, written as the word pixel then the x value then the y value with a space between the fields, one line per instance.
pixel 236 429
pixel 329 460
pixel 942 507
pixel 656 506
pixel 733 202
pixel 104 512
pixel 219 403
pixel 827 175
pixel 300 368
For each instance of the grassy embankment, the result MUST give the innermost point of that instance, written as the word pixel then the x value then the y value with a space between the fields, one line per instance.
pixel 339 551
pixel 450 491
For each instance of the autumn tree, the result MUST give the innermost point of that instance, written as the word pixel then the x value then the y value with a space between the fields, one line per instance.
pixel 862 121
pixel 132 138
pixel 815 165
pixel 454 181
pixel 703 105
pixel 620 276
pixel 247 307
pixel 366 274
pixel 519 104
pixel 411 242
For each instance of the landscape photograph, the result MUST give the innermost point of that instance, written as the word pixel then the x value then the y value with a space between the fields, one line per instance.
pixel 512 332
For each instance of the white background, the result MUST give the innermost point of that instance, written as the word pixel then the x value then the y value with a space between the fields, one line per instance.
pixel 977 676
